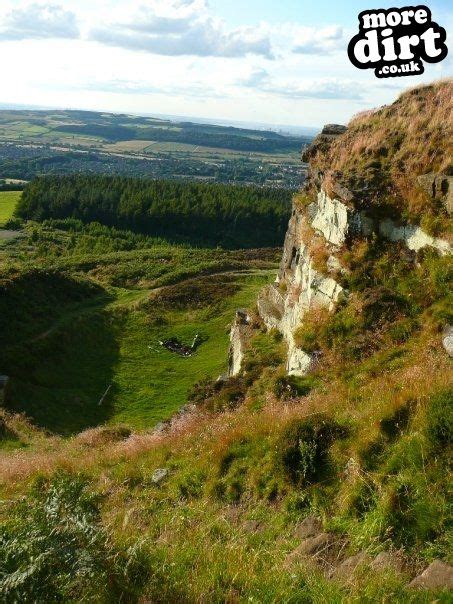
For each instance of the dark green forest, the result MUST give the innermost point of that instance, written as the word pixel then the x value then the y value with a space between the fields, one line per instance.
pixel 202 214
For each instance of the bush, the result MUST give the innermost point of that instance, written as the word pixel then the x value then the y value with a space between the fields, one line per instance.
pixel 303 446
pixel 290 386
pixel 14 224
pixel 394 425
pixel 218 395
pixel 308 335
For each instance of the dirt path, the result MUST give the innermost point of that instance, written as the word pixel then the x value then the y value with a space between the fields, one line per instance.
pixel 6 235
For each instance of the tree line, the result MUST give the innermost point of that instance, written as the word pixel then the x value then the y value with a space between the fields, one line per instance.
pixel 198 213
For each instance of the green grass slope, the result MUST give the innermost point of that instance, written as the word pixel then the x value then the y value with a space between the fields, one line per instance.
pixel 91 318
pixel 8 204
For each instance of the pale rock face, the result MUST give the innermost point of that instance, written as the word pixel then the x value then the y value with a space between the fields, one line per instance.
pixel 331 219
pixel 306 288
pixel 413 236
pixel 299 287
pixel 239 337
pixel 447 340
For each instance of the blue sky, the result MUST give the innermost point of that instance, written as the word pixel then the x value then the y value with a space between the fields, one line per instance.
pixel 315 12
pixel 277 62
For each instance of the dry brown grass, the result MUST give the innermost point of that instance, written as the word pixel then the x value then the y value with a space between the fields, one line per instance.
pixel 388 148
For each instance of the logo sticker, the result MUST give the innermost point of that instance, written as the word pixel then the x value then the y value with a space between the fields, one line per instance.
pixel 395 42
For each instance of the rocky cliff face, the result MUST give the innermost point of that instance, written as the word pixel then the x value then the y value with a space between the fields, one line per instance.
pixel 322 227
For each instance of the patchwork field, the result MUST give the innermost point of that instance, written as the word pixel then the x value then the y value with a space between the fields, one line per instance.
pixel 37 142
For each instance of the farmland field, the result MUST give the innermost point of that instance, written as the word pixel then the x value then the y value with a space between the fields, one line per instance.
pixel 53 142
pixel 8 201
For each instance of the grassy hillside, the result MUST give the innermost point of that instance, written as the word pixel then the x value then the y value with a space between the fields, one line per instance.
pixel 224 523
pixel 363 445
pixel 91 127
pixel 93 314
pixel 332 487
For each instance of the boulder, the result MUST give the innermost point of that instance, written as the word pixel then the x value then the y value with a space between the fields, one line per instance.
pixel 388 561
pixel 322 141
pixel 438 575
pixel 159 475
pixel 334 129
pixel 240 335
pixel 438 186
pixel 317 545
pixel 447 340
pixel 346 569
pixel 309 527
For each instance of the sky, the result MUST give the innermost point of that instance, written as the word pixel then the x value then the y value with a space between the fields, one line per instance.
pixel 265 61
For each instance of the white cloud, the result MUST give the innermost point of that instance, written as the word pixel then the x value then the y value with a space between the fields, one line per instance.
pixel 310 81
pixel 134 87
pixel 258 78
pixel 39 21
pixel 183 28
pixel 324 88
pixel 323 41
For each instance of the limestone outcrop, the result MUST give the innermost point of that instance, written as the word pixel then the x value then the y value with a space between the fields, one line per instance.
pixel 239 337
pixel 327 219
pixel 301 286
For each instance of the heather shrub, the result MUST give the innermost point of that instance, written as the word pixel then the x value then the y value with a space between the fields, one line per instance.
pixel 303 445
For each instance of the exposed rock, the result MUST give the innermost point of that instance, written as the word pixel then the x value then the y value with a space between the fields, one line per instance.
pixel 438 186
pixel 300 286
pixel 252 526
pixel 284 309
pixel 331 219
pixel 388 561
pixel 438 575
pixel 342 192
pixel 333 129
pixel 159 475
pixel 239 338
pixel 414 237
pixel 323 140
pixel 447 339
pixel 334 265
pixel 309 527
pixel 318 545
pixel 162 427
pixel 345 570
